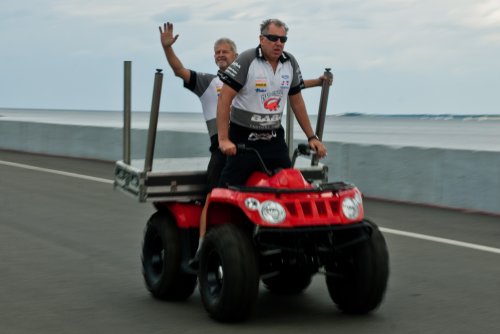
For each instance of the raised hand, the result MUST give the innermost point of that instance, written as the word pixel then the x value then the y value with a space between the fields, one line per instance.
pixel 167 35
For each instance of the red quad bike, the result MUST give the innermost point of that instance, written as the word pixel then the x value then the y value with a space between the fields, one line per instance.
pixel 281 228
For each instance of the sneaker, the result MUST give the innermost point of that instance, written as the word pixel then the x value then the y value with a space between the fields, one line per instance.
pixel 195 261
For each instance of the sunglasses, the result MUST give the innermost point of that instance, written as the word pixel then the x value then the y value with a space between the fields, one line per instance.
pixel 274 38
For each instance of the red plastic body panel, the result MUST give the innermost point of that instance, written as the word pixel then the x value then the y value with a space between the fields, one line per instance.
pixel 187 214
pixel 286 178
pixel 302 208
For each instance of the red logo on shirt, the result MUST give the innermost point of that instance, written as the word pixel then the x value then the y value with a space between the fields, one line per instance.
pixel 272 104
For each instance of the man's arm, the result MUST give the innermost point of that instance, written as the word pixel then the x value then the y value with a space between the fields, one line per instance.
pixel 317 82
pixel 223 109
pixel 167 40
pixel 299 109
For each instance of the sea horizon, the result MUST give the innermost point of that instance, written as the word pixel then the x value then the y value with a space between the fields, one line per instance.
pixel 345 114
pixel 479 132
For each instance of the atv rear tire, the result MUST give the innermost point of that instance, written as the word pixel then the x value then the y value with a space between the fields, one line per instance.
pixel 161 260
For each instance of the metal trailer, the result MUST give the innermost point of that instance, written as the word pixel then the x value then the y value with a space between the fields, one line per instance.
pixel 185 179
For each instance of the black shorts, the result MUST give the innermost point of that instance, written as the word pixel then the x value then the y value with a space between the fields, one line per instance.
pixel 214 169
pixel 273 150
pixel 216 163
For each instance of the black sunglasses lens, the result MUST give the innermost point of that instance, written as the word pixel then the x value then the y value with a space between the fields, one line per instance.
pixel 274 38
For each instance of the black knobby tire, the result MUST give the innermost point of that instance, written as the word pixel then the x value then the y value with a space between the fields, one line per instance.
pixel 360 277
pixel 289 281
pixel 161 260
pixel 228 274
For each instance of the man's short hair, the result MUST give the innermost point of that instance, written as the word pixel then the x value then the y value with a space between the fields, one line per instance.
pixel 264 26
pixel 228 41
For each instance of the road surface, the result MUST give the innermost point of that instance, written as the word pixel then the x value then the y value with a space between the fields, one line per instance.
pixel 70 263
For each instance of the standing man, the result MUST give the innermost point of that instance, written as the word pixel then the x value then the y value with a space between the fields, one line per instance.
pixel 206 87
pixel 251 103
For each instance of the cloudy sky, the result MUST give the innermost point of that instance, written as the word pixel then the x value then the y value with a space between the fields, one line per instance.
pixel 388 56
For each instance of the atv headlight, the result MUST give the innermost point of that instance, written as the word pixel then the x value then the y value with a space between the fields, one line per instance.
pixel 272 212
pixel 252 203
pixel 350 207
pixel 358 198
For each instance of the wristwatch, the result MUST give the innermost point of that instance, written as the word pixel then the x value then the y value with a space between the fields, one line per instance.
pixel 312 137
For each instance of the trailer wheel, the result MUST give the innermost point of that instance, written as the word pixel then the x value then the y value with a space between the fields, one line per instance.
pixel 357 281
pixel 161 260
pixel 288 282
pixel 228 274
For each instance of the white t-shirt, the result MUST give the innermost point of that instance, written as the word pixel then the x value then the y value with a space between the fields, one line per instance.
pixel 207 87
pixel 262 93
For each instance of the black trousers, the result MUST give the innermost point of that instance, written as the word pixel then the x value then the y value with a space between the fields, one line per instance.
pixel 238 168
pixel 216 163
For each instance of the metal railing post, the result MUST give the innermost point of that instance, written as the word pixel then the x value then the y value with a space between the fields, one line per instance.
pixel 153 121
pixel 320 124
pixel 127 79
pixel 289 128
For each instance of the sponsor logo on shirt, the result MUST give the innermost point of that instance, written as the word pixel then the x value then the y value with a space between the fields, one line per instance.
pixel 266 120
pixel 231 71
pixel 272 103
pixel 285 81
pixel 260 85
pixel 278 93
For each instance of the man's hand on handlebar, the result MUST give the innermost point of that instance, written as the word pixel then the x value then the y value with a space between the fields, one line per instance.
pixel 227 147
pixel 318 147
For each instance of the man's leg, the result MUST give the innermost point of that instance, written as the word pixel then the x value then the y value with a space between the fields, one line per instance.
pixel 238 169
pixel 214 169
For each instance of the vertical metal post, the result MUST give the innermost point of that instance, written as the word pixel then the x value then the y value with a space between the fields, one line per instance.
pixel 289 128
pixel 127 79
pixel 153 121
pixel 320 124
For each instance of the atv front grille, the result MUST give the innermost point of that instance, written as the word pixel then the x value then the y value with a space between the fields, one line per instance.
pixel 313 208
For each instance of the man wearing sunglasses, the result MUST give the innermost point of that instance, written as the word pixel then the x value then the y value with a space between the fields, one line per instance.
pixel 207 87
pixel 256 87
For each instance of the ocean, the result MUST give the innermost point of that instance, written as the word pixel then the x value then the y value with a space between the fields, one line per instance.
pixel 468 132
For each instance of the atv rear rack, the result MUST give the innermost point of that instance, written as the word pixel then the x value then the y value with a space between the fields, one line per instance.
pixel 183 179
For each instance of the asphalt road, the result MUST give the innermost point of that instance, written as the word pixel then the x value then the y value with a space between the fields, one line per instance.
pixel 70 263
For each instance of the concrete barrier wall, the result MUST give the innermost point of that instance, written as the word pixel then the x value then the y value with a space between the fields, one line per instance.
pixel 97 142
pixel 451 178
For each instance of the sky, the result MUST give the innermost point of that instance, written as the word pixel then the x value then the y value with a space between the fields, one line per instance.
pixel 387 56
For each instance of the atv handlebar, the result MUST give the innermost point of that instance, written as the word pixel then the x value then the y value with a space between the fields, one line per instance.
pixel 240 148
pixel 305 149
pixel 302 149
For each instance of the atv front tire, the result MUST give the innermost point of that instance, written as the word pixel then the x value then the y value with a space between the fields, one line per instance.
pixel 228 274
pixel 357 279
